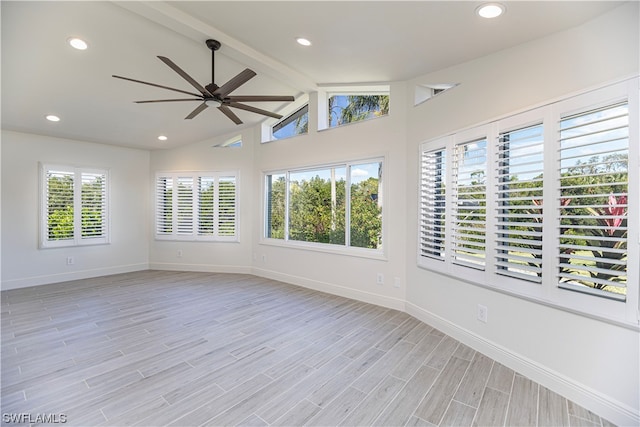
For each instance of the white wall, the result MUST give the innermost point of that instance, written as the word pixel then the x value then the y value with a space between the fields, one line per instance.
pixel 592 362
pixel 208 256
pixel 338 273
pixel 24 264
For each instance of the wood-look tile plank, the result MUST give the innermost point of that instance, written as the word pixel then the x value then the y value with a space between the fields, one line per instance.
pixel 473 383
pixel 458 414
pixel 406 401
pixel 282 403
pixel 374 403
pixel 339 408
pixel 552 409
pixel 434 405
pixel 492 410
pixel 299 415
pixel 523 405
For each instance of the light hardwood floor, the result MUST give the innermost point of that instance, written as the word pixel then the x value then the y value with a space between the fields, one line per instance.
pixel 186 349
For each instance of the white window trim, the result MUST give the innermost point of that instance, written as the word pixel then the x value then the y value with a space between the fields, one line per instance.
pixel 327 92
pixel 379 253
pixel 77 240
pixel 548 293
pixel 194 236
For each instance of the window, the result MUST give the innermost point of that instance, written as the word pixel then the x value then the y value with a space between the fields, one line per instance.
pixel 469 173
pixel 519 216
pixel 74 206
pixel 349 108
pixel 539 203
pixel 335 205
pixel 594 177
pixel 196 206
pixel 292 125
pixel 433 205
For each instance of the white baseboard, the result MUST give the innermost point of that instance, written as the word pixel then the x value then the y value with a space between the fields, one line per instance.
pixel 614 411
pixel 46 279
pixel 203 268
pixel 333 289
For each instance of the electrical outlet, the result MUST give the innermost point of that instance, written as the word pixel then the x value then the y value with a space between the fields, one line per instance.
pixel 70 260
pixel 264 258
pixel 179 253
pixel 396 282
pixel 483 313
pixel 380 279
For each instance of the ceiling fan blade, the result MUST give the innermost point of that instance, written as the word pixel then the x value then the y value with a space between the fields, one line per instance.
pixel 184 75
pixel 260 98
pixel 254 110
pixel 200 108
pixel 234 83
pixel 227 112
pixel 168 100
pixel 155 85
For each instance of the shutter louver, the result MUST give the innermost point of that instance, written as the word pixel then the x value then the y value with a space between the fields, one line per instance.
pixel 227 206
pixel 469 204
pixel 432 205
pixel 520 174
pixel 594 151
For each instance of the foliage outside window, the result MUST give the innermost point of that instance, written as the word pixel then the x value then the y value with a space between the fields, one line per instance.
pixel 539 222
pixel 196 206
pixel 74 206
pixel 345 109
pixel 335 205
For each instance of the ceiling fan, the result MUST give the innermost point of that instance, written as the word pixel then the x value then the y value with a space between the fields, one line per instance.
pixel 214 95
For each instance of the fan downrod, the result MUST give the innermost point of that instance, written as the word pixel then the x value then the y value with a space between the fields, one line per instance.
pixel 213 44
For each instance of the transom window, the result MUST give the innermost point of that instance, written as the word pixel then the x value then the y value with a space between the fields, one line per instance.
pixel 539 203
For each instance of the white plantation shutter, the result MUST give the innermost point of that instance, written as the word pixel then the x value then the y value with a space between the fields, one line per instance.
pixel 227 206
pixel 75 207
pixel 519 215
pixel 59 204
pixel 432 204
pixel 94 205
pixel 594 155
pixel 184 205
pixel 469 203
pixel 164 205
pixel 196 206
pixel 206 205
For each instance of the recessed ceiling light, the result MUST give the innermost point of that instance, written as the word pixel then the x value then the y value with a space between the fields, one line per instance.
pixel 490 10
pixel 52 118
pixel 162 138
pixel 77 43
pixel 302 41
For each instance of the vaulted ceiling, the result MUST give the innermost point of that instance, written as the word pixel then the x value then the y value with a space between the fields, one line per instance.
pixel 352 42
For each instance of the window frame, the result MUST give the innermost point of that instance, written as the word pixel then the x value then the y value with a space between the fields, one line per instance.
pixel 194 220
pixel 346 248
pixel 77 239
pixel 549 291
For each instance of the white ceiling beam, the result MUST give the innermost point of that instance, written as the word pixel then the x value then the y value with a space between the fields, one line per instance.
pixel 192 28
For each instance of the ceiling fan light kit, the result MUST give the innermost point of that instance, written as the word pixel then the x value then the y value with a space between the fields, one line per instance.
pixel 213 95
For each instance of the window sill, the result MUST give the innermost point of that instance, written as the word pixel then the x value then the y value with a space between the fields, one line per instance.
pixel 376 254
pixel 616 321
